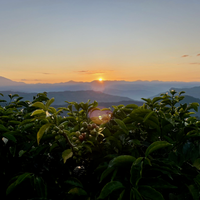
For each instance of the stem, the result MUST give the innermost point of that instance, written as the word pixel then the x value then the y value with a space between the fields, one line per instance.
pixel 68 141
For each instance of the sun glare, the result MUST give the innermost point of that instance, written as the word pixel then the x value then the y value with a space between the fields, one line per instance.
pixel 100 79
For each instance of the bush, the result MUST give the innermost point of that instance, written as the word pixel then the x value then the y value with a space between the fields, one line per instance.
pixel 146 152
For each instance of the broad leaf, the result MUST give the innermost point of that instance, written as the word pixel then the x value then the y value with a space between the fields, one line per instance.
pixel 49 102
pixel 67 154
pixel 121 125
pixel 155 146
pixel 109 188
pixel 150 193
pixel 3 128
pixel 39 105
pixel 10 137
pixel 38 112
pixel 122 161
pixel 41 131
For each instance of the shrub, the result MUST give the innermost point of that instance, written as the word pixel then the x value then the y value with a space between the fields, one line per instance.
pixel 146 152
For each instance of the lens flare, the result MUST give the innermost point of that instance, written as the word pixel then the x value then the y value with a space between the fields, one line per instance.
pixel 100 116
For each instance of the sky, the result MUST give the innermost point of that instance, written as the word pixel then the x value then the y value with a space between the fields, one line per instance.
pixel 51 41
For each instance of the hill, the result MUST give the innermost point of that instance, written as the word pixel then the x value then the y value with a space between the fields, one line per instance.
pixel 78 96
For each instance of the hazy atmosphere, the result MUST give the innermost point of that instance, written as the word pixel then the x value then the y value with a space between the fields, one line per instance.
pixel 52 41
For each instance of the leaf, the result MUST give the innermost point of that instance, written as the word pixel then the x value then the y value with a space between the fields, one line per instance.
pixel 150 193
pixel 121 195
pixel 52 110
pixel 135 195
pixel 155 146
pixel 40 186
pixel 148 115
pixel 133 106
pixel 38 112
pixel 49 102
pixel 77 191
pixel 109 188
pixel 41 131
pixel 21 152
pixel 197 163
pixel 10 137
pixel 121 125
pixel 3 128
pixel 136 171
pixel 19 180
pixel 122 161
pixel 106 173
pixel 157 183
pixel 67 154
pixel 39 105
pixel 74 182
pixel 194 192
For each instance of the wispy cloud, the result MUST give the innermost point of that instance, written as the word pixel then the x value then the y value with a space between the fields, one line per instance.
pixel 195 63
pixel 183 56
pixel 92 72
pixel 198 54
pixel 31 80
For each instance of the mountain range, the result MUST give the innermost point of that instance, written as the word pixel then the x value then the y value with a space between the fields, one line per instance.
pixel 106 93
pixel 134 90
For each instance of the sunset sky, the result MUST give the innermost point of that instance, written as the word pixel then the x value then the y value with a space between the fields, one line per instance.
pixel 51 41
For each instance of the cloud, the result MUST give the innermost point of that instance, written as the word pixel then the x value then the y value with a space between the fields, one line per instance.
pixel 198 54
pixel 195 63
pixel 91 72
pixel 47 73
pixel 31 80
pixel 184 56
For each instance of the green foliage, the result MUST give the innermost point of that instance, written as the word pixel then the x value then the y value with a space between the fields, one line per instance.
pixel 146 152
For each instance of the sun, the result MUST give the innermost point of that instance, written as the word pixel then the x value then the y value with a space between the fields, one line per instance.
pixel 100 79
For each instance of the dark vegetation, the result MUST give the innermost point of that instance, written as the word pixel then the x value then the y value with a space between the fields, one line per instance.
pixel 137 152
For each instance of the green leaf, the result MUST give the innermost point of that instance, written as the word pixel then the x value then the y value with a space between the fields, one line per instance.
pixel 133 106
pixel 157 183
pixel 122 161
pixel 40 186
pixel 52 110
pixel 121 195
pixel 77 191
pixel 155 146
pixel 3 128
pixel 38 112
pixel 39 105
pixel 10 137
pixel 135 195
pixel 136 171
pixel 109 188
pixel 148 115
pixel 74 182
pixel 19 180
pixel 3 101
pixel 197 180
pixel 150 193
pixel 121 125
pixel 106 173
pixel 197 163
pixel 41 131
pixel 67 154
pixel 21 152
pixel 194 192
pixel 49 102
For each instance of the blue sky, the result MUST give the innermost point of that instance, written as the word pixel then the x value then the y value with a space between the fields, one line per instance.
pixel 83 40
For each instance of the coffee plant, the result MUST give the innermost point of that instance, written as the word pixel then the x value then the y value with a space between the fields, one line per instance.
pixel 149 152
